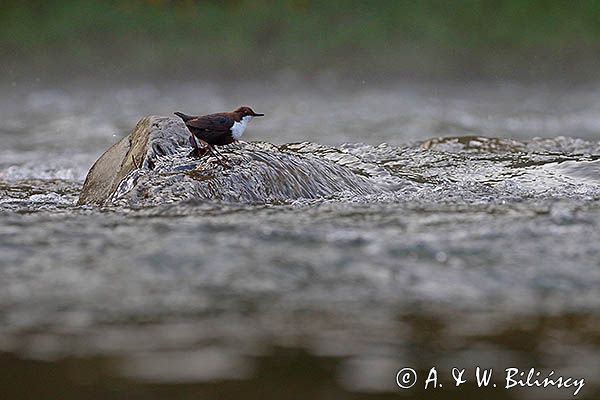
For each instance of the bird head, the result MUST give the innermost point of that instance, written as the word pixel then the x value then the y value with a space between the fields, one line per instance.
pixel 245 111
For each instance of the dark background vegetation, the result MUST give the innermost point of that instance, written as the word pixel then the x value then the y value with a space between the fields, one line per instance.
pixel 381 39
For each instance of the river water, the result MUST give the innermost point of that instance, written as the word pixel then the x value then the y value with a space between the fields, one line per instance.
pixel 447 225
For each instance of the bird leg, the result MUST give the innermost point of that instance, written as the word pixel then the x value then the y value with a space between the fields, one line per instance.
pixel 194 144
pixel 197 151
pixel 219 153
pixel 212 151
pixel 206 148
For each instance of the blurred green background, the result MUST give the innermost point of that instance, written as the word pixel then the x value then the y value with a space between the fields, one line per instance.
pixel 381 39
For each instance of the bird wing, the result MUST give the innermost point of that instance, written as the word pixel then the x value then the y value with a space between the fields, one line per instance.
pixel 214 123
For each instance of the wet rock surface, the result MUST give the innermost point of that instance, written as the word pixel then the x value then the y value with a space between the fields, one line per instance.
pixel 152 137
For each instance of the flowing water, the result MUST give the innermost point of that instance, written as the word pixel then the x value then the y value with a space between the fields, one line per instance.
pixel 358 232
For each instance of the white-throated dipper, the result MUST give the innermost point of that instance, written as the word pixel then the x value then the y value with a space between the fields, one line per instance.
pixel 217 129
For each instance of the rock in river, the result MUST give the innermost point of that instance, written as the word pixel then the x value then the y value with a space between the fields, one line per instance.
pixel 150 166
pixel 151 137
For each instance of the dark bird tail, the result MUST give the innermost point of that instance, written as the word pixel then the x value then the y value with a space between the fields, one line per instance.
pixel 184 117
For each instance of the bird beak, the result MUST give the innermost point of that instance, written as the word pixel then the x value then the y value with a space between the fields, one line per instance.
pixel 258 115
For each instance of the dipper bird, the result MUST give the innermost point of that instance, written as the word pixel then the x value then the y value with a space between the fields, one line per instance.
pixel 217 129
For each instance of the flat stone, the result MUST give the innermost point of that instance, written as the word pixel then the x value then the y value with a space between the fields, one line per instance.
pixel 152 136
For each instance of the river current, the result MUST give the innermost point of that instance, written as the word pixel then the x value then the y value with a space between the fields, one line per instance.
pixel 445 225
